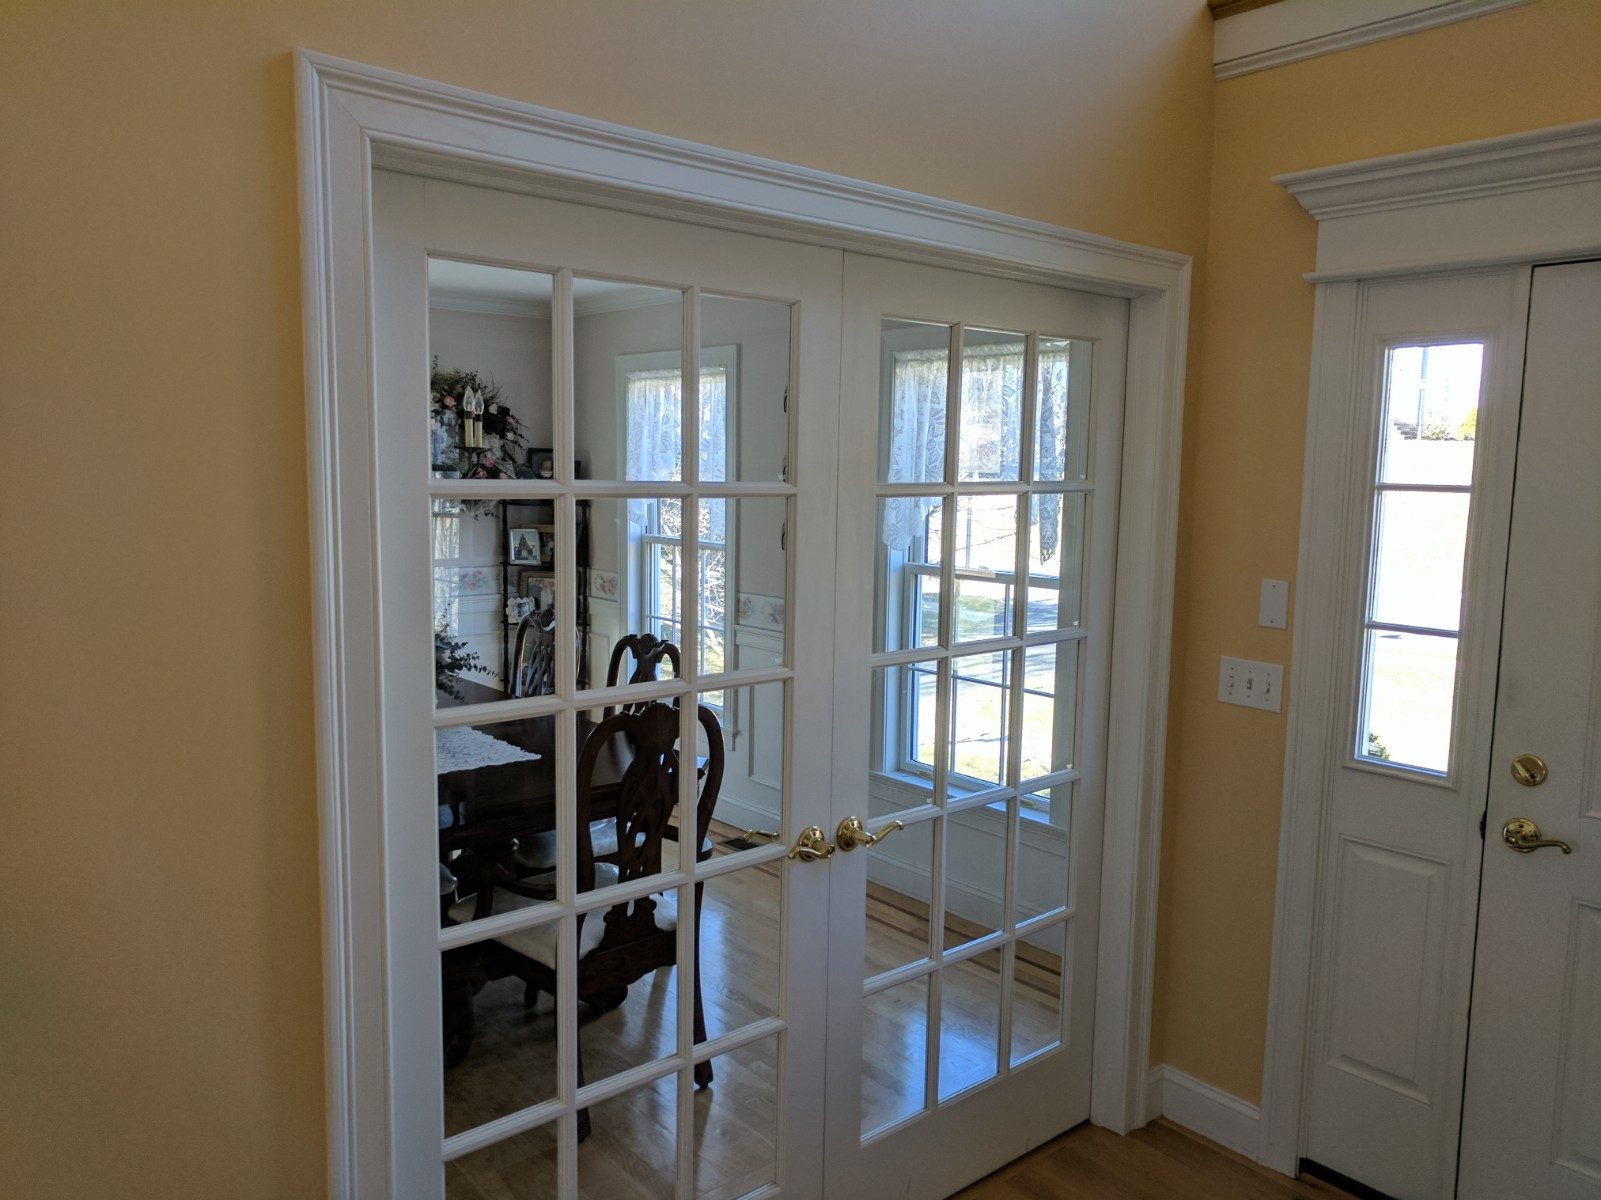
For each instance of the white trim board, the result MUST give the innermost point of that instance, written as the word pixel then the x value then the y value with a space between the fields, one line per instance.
pixel 352 118
pixel 1293 30
pixel 1525 198
pixel 1204 1109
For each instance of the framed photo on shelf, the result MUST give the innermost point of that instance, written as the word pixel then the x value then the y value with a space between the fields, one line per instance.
pixel 525 547
pixel 543 463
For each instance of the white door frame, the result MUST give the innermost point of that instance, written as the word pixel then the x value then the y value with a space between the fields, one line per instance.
pixel 353 118
pixel 1526 198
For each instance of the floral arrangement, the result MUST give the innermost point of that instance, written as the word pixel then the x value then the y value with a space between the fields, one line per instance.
pixel 451 658
pixel 471 425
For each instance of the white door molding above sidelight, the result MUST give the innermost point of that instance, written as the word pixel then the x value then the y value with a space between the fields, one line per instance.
pixel 353 118
pixel 1523 199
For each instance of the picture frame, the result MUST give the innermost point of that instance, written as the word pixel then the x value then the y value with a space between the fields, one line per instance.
pixel 542 462
pixel 525 547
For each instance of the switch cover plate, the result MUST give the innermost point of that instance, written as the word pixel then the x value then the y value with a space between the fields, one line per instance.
pixel 1273 609
pixel 1250 684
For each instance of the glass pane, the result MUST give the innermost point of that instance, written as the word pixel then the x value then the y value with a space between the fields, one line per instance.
pixel 1056 539
pixel 750 801
pixel 1431 413
pixel 975 873
pixel 1043 866
pixel 1062 410
pixel 497 820
pixel 631 1152
pixel 741 930
pixel 992 405
pixel 628 387
pixel 1411 684
pixel 1050 708
pixel 1418 561
pixel 489 404
pixel 623 1026
pixel 744 388
pixel 899 891
pixel 894 1054
pixel 980 711
pixel 736 1123
pixel 1037 984
pixel 743 580
pixel 985 560
pixel 635 585
pixel 523 1166
pixel 906 572
pixel 913 395
pixel 904 733
pixel 970 1022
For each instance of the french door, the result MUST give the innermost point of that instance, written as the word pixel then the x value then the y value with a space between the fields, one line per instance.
pixel 890 605
pixel 981 430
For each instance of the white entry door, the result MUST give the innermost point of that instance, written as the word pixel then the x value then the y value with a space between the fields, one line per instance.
pixel 1532 1121
pixel 592 425
pixel 981 428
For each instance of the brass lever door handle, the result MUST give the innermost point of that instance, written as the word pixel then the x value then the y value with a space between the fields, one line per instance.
pixel 852 833
pixel 1523 835
pixel 812 845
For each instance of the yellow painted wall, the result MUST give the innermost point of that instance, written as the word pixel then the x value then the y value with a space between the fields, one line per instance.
pixel 1514 70
pixel 160 976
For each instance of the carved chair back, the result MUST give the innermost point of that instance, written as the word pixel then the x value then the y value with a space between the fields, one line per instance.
pixel 647 651
pixel 533 659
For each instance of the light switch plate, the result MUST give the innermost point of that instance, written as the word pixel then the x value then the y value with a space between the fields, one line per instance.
pixel 1273 610
pixel 1250 684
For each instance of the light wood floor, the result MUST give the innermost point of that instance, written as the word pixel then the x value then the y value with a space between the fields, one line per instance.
pixel 1159 1162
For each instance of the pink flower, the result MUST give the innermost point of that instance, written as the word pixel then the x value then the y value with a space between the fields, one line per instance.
pixel 449 402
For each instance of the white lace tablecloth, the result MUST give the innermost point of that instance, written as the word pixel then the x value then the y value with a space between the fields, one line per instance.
pixel 468 749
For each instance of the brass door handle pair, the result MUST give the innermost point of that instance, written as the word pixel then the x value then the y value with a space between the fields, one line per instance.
pixel 813 843
pixel 1520 833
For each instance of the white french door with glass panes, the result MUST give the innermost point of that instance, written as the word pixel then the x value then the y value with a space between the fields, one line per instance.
pixel 981 434
pixel 592 425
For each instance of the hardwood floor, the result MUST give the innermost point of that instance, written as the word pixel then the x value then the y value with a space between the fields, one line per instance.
pixel 1159 1162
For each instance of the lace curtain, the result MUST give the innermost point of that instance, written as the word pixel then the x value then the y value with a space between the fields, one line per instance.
pixel 992 397
pixel 655 430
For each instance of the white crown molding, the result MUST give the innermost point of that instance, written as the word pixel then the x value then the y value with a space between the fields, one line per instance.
pixel 354 118
pixel 499 306
pixel 1523 197
pixel 1294 30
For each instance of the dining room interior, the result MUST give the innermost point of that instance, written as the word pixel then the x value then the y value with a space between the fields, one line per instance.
pixel 639 561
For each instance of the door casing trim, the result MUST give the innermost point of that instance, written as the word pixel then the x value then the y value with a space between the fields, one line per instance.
pixel 1525 198
pixel 352 118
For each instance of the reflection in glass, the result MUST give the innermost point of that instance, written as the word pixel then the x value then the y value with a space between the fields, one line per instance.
pixel 975 874
pixel 1409 700
pixel 916 375
pixel 1421 538
pixel 1431 414
pixel 906 588
pixel 628 380
pixel 1056 544
pixel 970 1022
pixel 746 436
pixel 991 431
pixel 736 1123
pixel 1040 885
pixel 1050 703
pixel 490 392
pixel 985 565
pixel 741 932
pixel 1037 985
pixel 1062 410
pixel 980 714
pixel 524 1166
pixel 899 873
pixel 632 1149
pixel 894 1054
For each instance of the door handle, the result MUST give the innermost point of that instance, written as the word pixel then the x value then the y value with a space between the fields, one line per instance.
pixel 1529 770
pixel 852 833
pixel 812 845
pixel 1523 835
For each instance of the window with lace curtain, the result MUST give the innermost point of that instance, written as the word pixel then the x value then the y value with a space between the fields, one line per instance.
pixel 652 403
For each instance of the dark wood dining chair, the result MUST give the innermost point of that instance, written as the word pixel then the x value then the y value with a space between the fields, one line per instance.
pixel 617 946
pixel 533 657
pixel 647 651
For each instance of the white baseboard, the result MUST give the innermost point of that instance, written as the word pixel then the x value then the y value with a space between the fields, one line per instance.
pixel 1204 1109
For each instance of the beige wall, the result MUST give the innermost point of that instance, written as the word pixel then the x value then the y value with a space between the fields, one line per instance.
pixel 1515 70
pixel 160 982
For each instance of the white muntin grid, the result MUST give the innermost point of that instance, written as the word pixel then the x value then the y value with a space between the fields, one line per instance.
pixel 1006 798
pixel 687 690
